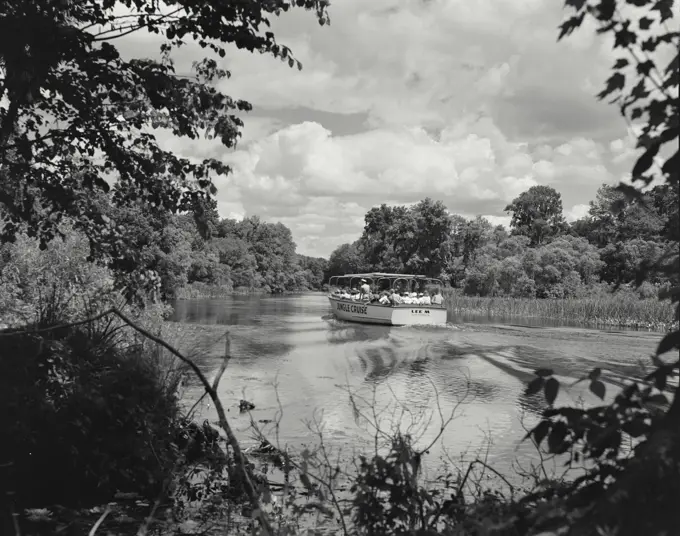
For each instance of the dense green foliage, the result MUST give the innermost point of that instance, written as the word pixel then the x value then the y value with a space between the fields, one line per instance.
pixel 249 255
pixel 83 418
pixel 543 256
pixel 630 447
pixel 537 214
pixel 79 121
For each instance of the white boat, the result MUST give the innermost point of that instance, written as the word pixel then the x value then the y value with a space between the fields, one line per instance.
pixel 366 311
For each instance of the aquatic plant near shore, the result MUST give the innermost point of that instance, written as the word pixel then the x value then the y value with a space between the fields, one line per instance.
pixel 195 291
pixel 621 310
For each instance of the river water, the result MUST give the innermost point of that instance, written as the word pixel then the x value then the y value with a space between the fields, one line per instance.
pixel 304 369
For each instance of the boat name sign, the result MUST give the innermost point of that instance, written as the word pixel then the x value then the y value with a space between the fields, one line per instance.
pixel 351 308
pixel 362 309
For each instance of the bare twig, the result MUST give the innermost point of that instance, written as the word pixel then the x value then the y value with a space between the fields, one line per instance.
pixel 15 521
pixel 101 519
pixel 195 405
pixel 486 466
pixel 225 361
pixel 334 498
pixel 445 422
pixel 144 528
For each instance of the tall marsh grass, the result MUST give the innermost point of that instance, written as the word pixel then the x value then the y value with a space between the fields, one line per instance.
pixel 604 309
pixel 199 291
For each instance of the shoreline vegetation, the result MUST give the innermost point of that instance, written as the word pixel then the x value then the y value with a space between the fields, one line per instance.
pixel 200 291
pixel 624 308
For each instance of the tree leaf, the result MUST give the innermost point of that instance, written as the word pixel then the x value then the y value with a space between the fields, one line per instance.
pixel 670 166
pixel 616 82
pixel 540 431
pixel 646 160
pixel 645 23
pixel 658 399
pixel 635 428
pixel 669 342
pixel 576 4
pixel 544 373
pixel 598 388
pixel 534 386
pixel 645 67
pixel 556 437
pixel 595 373
pixel 660 379
pixel 552 387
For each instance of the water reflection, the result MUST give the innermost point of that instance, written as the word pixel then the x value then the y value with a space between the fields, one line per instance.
pixel 340 332
pixel 290 354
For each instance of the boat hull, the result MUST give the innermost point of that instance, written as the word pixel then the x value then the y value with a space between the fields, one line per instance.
pixel 400 315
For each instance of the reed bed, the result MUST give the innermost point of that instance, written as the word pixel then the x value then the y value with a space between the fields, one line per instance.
pixel 202 291
pixel 196 291
pixel 618 309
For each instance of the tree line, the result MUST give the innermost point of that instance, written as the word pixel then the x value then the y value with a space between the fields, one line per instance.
pixel 542 255
pixel 172 251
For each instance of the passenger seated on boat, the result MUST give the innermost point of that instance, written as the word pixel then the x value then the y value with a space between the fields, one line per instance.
pixel 345 294
pixel 406 298
pixel 437 299
pixel 426 300
pixel 413 296
pixel 395 298
pixel 355 294
pixel 384 298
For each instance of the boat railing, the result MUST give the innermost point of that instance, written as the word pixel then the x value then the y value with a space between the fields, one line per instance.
pixel 390 304
pixel 396 282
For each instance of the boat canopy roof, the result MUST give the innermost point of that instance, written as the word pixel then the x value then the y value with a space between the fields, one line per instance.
pixel 374 275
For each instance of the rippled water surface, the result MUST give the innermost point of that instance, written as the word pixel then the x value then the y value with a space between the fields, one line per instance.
pixel 290 355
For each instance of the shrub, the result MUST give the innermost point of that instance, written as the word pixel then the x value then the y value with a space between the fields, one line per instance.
pixel 52 286
pixel 82 418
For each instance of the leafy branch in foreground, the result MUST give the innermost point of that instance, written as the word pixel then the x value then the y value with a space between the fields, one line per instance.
pixel 617 492
pixel 77 118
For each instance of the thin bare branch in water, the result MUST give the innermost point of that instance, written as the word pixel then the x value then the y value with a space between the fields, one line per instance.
pixel 486 466
pixel 144 528
pixel 330 487
pixel 15 521
pixel 225 361
pixel 195 405
pixel 101 519
pixel 445 422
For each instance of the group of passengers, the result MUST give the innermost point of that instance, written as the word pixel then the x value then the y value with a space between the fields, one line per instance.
pixel 390 297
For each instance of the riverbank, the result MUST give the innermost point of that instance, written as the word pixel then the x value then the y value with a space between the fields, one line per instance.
pixel 622 309
pixel 201 291
pixel 618 310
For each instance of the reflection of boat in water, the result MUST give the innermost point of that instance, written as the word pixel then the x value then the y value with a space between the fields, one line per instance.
pixel 391 299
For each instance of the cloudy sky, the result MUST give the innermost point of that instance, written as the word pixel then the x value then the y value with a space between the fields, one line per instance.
pixel 467 102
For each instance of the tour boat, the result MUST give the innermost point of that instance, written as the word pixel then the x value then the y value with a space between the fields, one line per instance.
pixel 368 311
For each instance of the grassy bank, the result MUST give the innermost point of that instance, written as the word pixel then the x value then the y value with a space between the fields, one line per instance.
pixel 622 309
